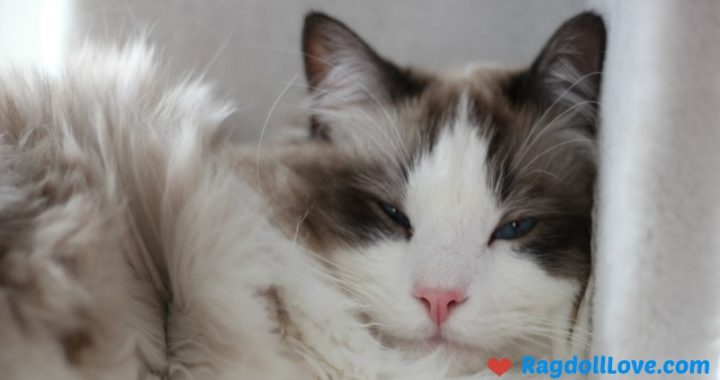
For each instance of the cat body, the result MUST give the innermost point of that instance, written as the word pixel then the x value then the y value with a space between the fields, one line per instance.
pixel 131 250
pixel 429 221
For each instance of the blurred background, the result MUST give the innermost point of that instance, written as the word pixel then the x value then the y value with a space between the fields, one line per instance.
pixel 250 48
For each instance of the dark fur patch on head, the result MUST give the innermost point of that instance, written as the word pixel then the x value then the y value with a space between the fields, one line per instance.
pixel 438 107
pixel 337 200
pixel 543 158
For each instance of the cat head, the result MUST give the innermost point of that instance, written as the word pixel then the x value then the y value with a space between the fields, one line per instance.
pixel 456 208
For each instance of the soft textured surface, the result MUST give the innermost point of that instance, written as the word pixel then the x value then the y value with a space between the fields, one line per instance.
pixel 658 240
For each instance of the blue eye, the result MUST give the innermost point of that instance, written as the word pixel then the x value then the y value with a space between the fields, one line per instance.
pixel 515 229
pixel 395 214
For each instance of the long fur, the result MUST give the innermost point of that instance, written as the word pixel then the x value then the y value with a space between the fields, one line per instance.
pixel 129 250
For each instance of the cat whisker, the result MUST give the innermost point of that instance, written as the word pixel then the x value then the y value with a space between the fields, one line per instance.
pixel 266 123
pixel 549 126
pixel 558 100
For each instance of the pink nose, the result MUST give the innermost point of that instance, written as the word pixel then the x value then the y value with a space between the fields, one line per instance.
pixel 440 302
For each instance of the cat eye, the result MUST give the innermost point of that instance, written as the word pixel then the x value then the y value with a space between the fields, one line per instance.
pixel 515 229
pixel 395 214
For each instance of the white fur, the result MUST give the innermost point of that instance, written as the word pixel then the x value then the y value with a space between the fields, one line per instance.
pixel 171 255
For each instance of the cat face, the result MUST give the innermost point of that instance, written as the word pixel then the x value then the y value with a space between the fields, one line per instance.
pixel 455 208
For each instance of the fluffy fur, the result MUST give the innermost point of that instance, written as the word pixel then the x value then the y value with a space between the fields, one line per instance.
pixel 135 242
pixel 131 251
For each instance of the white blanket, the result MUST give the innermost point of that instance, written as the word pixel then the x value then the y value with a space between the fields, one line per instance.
pixel 658 225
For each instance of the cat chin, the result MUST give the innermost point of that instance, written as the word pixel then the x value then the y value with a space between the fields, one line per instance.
pixel 461 359
pixel 452 338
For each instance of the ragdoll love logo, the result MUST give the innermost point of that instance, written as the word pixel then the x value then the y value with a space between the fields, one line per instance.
pixel 499 366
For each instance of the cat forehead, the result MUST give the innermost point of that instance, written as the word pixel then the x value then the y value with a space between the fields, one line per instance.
pixel 458 145
pixel 475 98
pixel 474 89
pixel 452 180
pixel 397 130
pixel 453 125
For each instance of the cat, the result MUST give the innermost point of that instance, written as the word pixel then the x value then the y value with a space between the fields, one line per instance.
pixel 427 222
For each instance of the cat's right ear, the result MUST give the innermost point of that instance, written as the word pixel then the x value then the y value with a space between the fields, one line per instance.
pixel 341 68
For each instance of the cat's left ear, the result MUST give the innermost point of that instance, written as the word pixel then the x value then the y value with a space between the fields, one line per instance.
pixel 342 67
pixel 568 70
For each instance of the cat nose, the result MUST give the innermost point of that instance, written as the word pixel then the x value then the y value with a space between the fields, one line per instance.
pixel 439 302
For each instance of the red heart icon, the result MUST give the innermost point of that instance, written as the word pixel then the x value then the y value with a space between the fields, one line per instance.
pixel 499 366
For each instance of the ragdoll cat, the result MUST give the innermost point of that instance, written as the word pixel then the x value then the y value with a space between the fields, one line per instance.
pixel 428 222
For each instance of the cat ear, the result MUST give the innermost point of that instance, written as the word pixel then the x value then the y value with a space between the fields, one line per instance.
pixel 567 72
pixel 343 67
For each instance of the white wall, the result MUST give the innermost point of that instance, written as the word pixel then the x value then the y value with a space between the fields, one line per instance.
pixel 658 235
